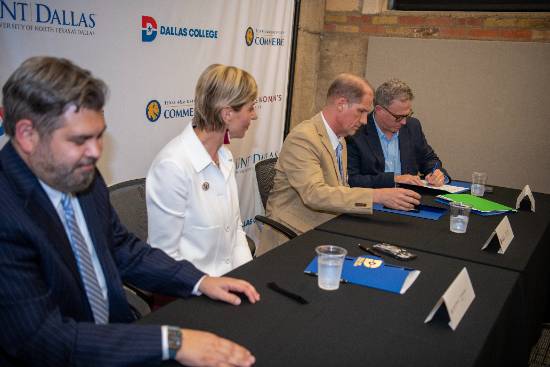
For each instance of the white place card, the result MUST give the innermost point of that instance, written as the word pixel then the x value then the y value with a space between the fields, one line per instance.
pixel 527 194
pixel 456 299
pixel 504 234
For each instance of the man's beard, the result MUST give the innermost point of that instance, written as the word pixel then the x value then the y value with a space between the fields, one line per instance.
pixel 58 175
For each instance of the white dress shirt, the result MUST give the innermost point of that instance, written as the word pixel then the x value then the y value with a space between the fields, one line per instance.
pixel 193 206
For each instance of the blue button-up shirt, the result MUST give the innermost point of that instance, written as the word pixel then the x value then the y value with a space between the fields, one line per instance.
pixel 390 147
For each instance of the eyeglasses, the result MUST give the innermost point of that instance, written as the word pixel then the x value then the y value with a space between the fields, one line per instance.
pixel 398 118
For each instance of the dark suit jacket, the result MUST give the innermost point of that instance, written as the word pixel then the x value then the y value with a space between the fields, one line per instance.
pixel 45 318
pixel 366 159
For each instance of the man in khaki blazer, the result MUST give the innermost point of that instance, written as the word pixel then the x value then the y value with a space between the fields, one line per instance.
pixel 310 185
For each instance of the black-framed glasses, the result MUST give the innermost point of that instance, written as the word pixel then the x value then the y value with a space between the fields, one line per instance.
pixel 398 118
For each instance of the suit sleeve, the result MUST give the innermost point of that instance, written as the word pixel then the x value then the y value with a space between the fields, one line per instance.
pixel 355 176
pixel 302 164
pixel 33 330
pixel 425 156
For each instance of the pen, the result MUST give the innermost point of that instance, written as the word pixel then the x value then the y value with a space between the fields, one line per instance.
pixel 435 167
pixel 296 297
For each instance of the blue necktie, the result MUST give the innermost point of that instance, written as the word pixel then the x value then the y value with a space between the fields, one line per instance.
pixel 98 304
pixel 339 158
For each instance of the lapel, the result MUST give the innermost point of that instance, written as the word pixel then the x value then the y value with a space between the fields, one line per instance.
pixel 374 141
pixel 38 205
pixel 323 135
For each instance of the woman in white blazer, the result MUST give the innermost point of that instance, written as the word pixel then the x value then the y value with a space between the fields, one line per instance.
pixel 191 192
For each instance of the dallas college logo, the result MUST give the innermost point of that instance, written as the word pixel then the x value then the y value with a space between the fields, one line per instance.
pixel 152 110
pixel 149 28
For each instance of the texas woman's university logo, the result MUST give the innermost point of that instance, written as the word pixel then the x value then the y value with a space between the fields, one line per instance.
pixel 249 36
pixel 152 110
pixel 1 121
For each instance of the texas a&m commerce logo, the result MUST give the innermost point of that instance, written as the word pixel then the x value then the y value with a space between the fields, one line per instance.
pixel 153 110
pixel 264 37
pixel 170 108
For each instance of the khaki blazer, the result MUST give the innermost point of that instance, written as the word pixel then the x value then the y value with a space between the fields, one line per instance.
pixel 307 188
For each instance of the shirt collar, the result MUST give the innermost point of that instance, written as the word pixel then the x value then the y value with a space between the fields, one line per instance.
pixel 331 135
pixel 54 195
pixel 201 158
pixel 381 134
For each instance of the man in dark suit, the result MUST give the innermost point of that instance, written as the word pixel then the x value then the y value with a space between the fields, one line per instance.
pixel 63 251
pixel 391 148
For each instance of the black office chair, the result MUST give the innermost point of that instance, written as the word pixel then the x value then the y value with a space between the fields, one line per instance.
pixel 128 199
pixel 265 174
pixel 138 305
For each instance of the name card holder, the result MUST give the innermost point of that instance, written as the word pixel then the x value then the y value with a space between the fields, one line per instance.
pixel 526 200
pixel 455 301
pixel 501 237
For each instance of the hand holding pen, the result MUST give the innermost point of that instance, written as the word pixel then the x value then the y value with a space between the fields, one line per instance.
pixel 436 177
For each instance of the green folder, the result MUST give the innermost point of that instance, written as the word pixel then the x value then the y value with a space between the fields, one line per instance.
pixel 477 203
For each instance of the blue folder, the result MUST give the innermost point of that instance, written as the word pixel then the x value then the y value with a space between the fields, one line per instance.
pixel 424 211
pixel 373 272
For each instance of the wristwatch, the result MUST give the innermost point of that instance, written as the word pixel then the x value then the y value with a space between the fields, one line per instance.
pixel 174 341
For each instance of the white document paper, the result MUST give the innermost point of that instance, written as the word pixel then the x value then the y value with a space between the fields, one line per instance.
pixel 449 188
pixel 457 299
pixel 526 192
pixel 504 234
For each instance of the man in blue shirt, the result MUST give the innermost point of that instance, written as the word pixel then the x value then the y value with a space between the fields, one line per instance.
pixel 391 148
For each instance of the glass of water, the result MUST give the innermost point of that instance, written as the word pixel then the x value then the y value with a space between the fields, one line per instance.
pixel 330 260
pixel 460 214
pixel 479 179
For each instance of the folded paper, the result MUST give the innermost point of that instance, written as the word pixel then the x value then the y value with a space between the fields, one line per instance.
pixel 372 271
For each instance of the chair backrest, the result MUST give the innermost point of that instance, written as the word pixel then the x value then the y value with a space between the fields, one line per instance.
pixel 128 199
pixel 265 173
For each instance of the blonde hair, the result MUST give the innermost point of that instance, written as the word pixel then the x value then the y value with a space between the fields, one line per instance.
pixel 221 86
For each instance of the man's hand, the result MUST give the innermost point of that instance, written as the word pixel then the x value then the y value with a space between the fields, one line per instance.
pixel 408 179
pixel 221 288
pixel 400 199
pixel 199 348
pixel 437 178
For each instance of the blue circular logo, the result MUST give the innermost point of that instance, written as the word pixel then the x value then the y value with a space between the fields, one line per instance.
pixel 249 36
pixel 153 110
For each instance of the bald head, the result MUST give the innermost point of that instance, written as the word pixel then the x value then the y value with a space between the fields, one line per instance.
pixel 348 86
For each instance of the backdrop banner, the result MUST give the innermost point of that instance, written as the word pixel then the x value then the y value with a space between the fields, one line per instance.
pixel 151 55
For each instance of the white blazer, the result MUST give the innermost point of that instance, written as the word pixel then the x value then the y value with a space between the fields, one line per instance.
pixel 193 206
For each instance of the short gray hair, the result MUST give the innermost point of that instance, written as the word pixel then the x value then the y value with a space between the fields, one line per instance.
pixel 42 88
pixel 393 89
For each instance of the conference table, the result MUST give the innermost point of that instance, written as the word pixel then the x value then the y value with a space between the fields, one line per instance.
pixel 358 326
pixel 355 325
pixel 528 253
